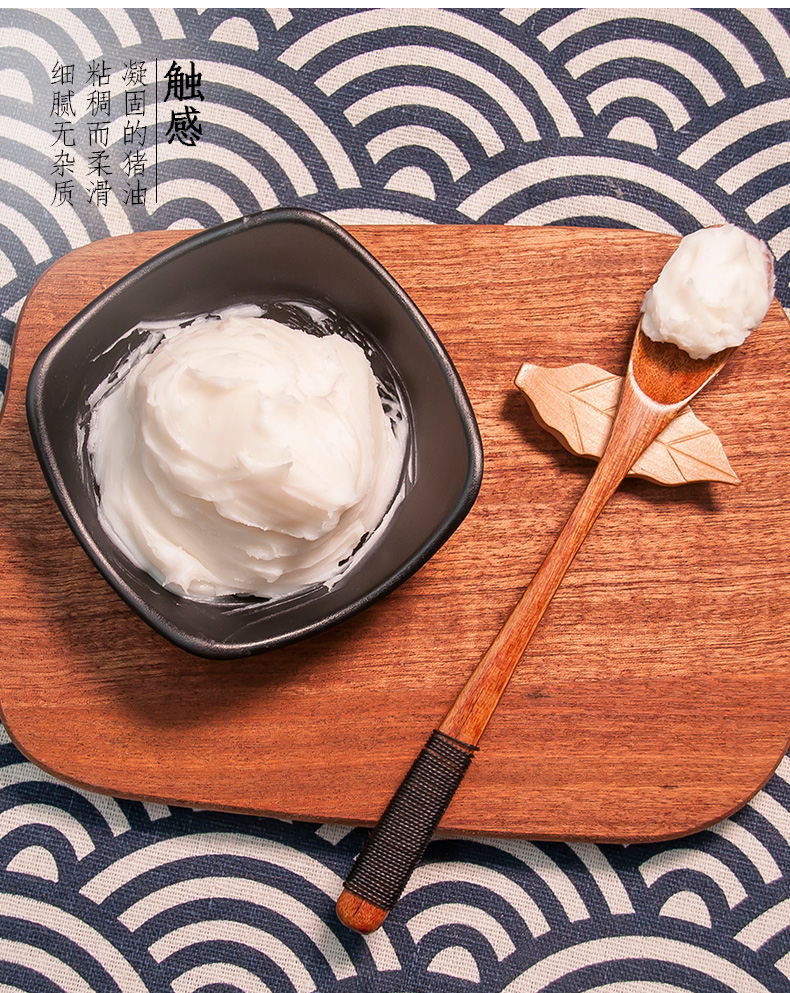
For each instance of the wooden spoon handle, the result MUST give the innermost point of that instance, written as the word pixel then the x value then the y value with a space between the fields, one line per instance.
pixel 637 423
pixel 398 841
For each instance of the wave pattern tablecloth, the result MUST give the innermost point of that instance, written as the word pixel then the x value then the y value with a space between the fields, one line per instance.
pixel 664 120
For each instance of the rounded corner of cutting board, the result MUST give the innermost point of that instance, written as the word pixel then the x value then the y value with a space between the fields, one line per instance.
pixel 60 771
pixel 21 741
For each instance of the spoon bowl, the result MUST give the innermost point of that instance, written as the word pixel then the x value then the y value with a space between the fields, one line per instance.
pixel 668 375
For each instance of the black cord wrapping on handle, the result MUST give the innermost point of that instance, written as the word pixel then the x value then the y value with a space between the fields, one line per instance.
pixel 397 842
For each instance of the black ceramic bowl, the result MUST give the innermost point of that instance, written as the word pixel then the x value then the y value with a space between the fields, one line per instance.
pixel 284 255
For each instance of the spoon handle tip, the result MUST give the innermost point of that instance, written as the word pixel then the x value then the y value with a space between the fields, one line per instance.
pixel 358 914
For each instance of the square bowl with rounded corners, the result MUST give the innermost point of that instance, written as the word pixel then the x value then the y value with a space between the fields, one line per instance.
pixel 283 258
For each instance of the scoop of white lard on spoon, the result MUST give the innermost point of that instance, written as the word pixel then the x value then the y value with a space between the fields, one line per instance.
pixel 715 289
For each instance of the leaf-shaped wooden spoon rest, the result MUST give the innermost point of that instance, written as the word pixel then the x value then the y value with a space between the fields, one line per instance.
pixel 661 379
pixel 576 404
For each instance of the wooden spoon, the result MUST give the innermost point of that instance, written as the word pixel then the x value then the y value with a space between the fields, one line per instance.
pixel 660 381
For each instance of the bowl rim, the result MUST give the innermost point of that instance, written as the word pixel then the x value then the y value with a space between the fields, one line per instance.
pixel 45 450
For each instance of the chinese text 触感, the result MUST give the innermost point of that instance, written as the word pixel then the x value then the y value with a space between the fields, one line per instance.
pixel 184 86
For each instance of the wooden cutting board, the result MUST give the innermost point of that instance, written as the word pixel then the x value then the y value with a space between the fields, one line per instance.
pixel 654 698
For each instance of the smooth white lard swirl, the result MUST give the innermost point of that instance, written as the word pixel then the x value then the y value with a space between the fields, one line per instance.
pixel 715 289
pixel 242 456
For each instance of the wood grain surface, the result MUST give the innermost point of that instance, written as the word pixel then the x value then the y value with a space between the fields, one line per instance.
pixel 654 698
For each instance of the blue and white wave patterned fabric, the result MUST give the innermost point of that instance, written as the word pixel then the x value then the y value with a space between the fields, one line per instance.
pixel 664 120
